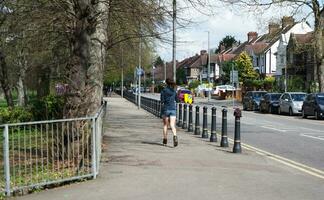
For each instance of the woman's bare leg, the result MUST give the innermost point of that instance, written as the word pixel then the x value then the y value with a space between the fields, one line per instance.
pixel 165 127
pixel 172 125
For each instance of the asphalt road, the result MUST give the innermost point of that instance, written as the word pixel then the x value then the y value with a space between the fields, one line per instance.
pixel 292 137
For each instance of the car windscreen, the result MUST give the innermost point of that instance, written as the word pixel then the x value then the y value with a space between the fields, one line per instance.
pixel 275 97
pixel 258 95
pixel 320 99
pixel 298 97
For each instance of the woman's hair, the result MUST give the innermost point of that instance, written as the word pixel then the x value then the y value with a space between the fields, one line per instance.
pixel 170 83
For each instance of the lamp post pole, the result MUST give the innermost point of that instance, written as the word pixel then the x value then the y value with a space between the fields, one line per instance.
pixel 286 78
pixel 174 40
pixel 208 75
pixel 139 74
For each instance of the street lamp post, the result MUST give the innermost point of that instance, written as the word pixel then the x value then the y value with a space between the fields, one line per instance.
pixel 153 69
pixel 174 40
pixel 208 75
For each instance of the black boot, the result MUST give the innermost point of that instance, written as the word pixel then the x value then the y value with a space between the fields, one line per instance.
pixel 165 141
pixel 175 141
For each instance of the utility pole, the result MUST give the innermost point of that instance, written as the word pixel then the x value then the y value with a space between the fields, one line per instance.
pixel 122 73
pixel 208 75
pixel 174 41
pixel 165 63
pixel 139 69
pixel 286 78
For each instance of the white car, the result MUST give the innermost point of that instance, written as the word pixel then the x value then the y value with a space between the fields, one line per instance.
pixel 291 102
pixel 223 88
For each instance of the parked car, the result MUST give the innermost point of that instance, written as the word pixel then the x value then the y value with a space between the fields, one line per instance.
pixel 291 103
pixel 270 102
pixel 313 105
pixel 181 95
pixel 251 100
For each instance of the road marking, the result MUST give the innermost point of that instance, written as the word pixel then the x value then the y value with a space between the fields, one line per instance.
pixel 314 137
pixel 275 129
pixel 296 165
pixel 313 130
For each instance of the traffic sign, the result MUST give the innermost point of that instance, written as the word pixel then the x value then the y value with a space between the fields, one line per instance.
pixel 139 71
pixel 234 76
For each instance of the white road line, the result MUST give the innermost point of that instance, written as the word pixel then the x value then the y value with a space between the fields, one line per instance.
pixel 314 137
pixel 313 130
pixel 275 129
pixel 299 166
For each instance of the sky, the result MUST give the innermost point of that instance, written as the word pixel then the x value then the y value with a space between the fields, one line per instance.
pixel 224 21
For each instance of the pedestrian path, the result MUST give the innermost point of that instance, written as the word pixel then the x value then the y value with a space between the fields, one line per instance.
pixel 136 166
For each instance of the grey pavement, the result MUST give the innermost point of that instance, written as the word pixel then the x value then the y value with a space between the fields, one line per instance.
pixel 136 166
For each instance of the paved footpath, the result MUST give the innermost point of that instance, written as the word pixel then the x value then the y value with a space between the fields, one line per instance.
pixel 136 166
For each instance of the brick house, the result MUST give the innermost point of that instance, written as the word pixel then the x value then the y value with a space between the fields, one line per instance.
pixel 301 58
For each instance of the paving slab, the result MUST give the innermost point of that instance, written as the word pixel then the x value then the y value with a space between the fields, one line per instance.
pixel 135 165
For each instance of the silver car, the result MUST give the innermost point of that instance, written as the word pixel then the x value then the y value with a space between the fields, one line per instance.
pixel 291 102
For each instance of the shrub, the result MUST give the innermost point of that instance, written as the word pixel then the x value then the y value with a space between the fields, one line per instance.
pixel 14 115
pixel 49 107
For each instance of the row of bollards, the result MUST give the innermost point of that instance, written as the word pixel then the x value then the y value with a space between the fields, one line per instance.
pixel 184 124
pixel 154 106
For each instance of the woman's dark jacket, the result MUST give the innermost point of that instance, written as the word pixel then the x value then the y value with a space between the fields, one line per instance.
pixel 169 98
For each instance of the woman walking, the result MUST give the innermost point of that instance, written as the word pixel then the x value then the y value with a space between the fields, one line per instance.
pixel 169 111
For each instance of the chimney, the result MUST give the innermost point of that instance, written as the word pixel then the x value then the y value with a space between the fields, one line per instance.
pixel 202 52
pixel 273 28
pixel 287 21
pixel 252 36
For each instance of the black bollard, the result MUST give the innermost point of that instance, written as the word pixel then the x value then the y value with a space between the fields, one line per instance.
pixel 237 136
pixel 213 137
pixel 224 141
pixel 190 127
pixel 184 123
pixel 197 124
pixel 180 116
pixel 205 130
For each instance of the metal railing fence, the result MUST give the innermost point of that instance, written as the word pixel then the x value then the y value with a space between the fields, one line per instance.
pixel 41 153
pixel 153 106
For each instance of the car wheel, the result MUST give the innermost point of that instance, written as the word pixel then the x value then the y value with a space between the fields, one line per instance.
pixel 270 109
pixel 290 112
pixel 317 116
pixel 303 114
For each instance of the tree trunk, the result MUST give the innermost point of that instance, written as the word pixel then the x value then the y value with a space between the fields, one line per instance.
pixel 4 80
pixel 21 88
pixel 85 69
pixel 318 35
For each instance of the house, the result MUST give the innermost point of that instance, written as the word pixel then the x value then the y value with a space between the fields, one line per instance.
pixel 266 60
pixel 300 56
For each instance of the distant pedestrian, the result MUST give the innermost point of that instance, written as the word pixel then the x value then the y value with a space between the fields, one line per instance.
pixel 110 91
pixel 169 111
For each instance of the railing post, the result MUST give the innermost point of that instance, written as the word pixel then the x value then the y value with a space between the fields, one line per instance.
pixel 197 124
pixel 180 115
pixel 224 141
pixel 184 123
pixel 6 158
pixel 190 127
pixel 205 130
pixel 213 137
pixel 160 109
pixel 93 156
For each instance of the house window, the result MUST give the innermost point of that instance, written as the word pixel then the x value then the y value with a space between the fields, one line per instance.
pixel 257 61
